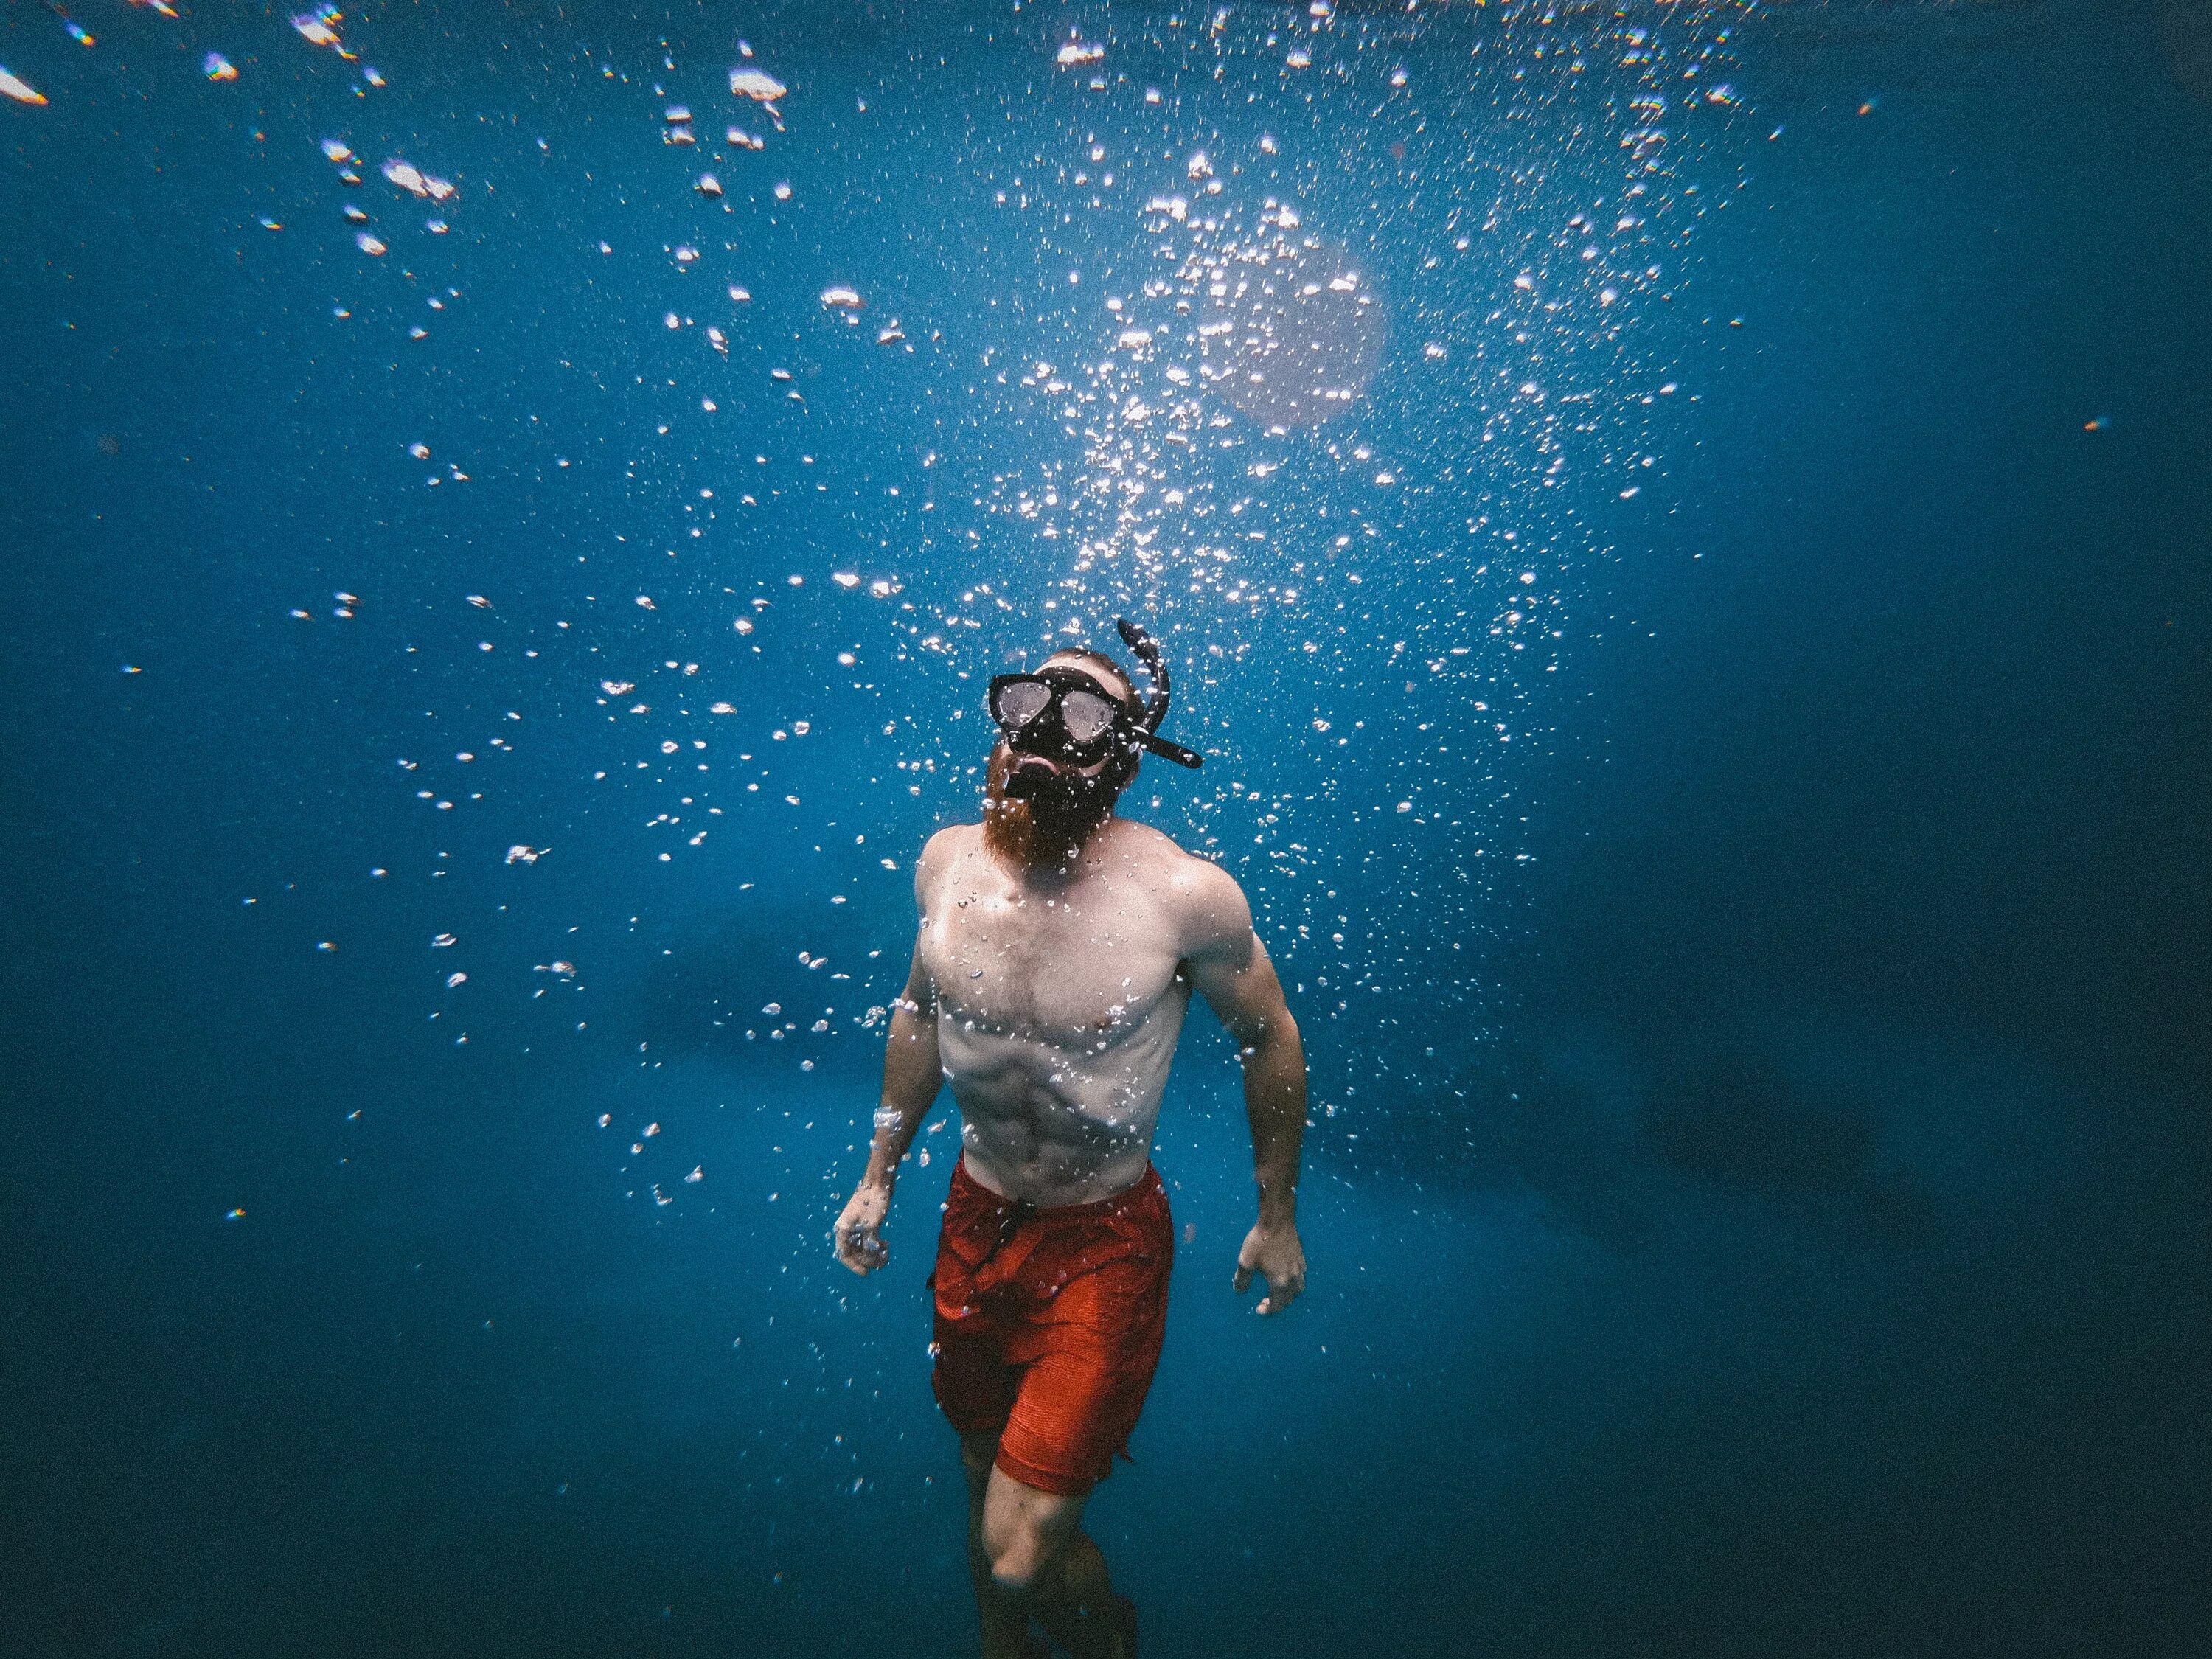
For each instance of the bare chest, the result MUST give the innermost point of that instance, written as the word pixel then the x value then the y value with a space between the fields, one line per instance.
pixel 1078 971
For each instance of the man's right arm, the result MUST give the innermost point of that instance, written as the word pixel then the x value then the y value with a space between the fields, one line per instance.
pixel 911 1075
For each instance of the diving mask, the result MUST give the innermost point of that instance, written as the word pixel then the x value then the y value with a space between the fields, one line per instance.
pixel 1061 714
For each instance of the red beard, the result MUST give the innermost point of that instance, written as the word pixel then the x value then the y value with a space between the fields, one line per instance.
pixel 1039 833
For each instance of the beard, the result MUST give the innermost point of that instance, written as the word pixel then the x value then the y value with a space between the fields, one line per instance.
pixel 1044 831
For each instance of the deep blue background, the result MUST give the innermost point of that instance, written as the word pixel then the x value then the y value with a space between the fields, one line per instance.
pixel 1757 1203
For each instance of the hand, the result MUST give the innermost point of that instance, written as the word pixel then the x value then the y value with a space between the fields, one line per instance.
pixel 859 1232
pixel 1273 1251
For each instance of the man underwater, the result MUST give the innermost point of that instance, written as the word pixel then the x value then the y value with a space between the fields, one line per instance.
pixel 1058 948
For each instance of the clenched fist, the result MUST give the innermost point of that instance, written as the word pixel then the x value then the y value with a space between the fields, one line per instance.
pixel 859 1232
pixel 1273 1251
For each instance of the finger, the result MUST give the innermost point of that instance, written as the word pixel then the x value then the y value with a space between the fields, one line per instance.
pixel 1243 1282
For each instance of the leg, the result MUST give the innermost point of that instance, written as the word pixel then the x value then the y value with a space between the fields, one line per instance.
pixel 1039 1560
pixel 1058 1367
pixel 1005 1619
pixel 1078 1604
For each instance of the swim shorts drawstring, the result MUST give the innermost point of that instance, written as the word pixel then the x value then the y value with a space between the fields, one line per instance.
pixel 1021 1211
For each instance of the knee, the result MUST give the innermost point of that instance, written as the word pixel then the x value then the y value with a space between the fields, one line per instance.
pixel 1014 1566
pixel 1017 1556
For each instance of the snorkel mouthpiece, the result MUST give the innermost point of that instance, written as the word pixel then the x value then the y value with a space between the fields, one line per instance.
pixel 1029 778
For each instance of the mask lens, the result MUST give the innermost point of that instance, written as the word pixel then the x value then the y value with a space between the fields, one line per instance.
pixel 1087 717
pixel 1022 703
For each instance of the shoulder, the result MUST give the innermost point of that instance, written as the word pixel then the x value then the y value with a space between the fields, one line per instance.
pixel 1209 906
pixel 948 843
pixel 940 853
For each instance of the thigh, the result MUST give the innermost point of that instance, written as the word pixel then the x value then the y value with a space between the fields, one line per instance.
pixel 1074 1412
pixel 976 1452
pixel 974 1381
pixel 1081 1395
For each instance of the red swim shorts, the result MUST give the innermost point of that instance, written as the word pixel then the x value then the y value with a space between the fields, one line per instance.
pixel 1049 1325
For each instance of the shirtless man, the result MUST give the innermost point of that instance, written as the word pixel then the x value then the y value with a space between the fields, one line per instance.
pixel 1058 949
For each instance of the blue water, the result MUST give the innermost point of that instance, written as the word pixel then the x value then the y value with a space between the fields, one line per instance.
pixel 1714 729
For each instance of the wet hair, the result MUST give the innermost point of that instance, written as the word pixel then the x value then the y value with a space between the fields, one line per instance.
pixel 1087 658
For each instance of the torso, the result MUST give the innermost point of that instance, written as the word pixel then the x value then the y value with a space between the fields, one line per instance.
pixel 1059 1004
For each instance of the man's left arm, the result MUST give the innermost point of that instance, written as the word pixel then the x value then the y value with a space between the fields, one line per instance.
pixel 1230 967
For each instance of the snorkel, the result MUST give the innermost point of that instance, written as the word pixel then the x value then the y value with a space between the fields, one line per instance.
pixel 1156 696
